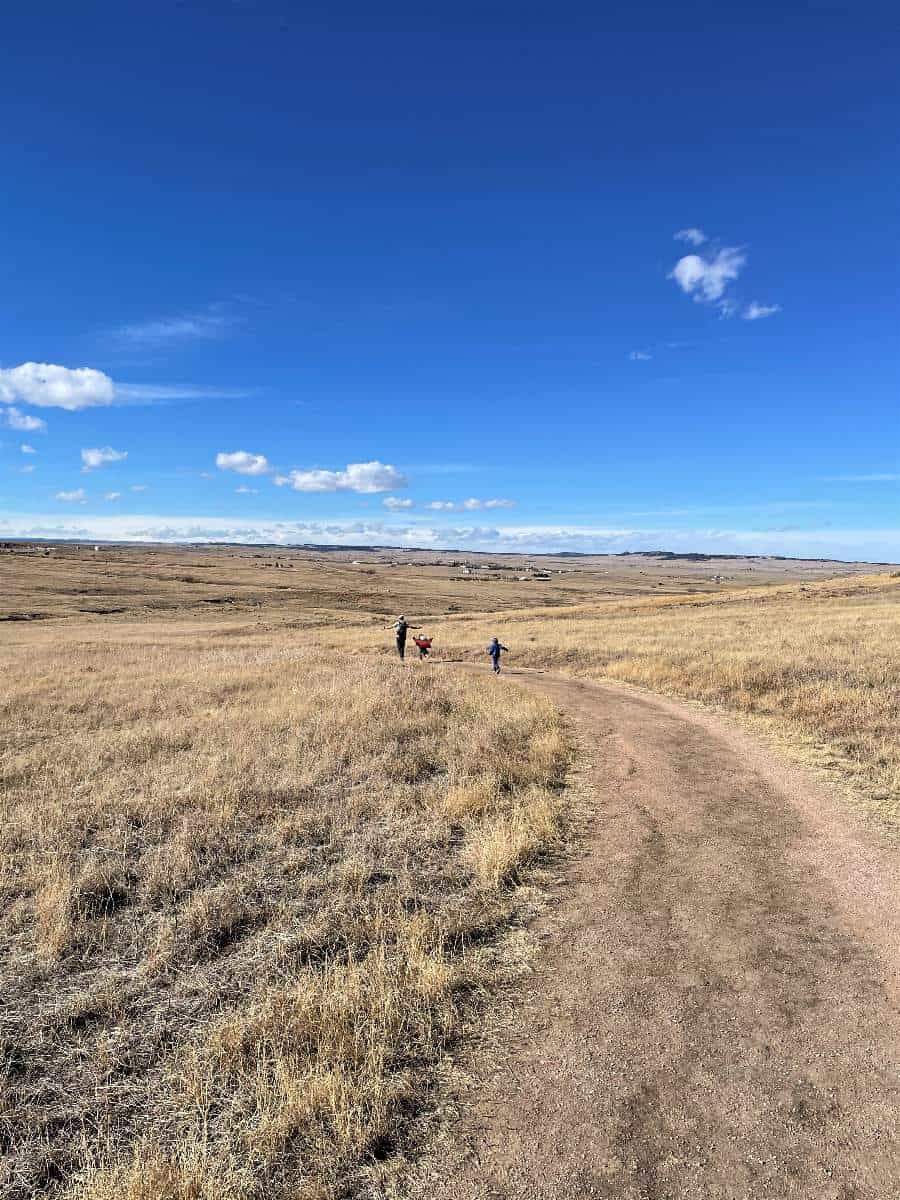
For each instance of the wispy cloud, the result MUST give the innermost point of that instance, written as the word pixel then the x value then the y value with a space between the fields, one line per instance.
pixel 206 325
pixel 470 505
pixel 26 469
pixel 694 237
pixel 149 393
pixel 26 449
pixel 101 456
pixel 366 478
pixel 77 496
pixel 139 487
pixel 24 422
pixel 396 503
pixel 640 356
pixel 246 491
pixel 758 312
pixel 243 462
pixel 111 496
pixel 886 477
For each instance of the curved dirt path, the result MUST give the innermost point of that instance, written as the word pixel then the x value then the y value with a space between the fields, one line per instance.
pixel 714 1011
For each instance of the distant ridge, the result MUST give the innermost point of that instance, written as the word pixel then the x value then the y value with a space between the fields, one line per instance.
pixel 328 548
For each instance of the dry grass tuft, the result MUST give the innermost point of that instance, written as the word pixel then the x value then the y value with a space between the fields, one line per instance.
pixel 248 895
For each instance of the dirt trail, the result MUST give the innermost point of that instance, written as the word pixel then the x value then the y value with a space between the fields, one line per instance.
pixel 714 1013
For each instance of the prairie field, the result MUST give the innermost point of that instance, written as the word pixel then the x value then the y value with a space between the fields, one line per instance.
pixel 259 879
pixel 821 659
pixel 249 896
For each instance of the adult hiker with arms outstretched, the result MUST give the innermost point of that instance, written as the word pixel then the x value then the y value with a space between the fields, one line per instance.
pixel 401 628
pixel 494 651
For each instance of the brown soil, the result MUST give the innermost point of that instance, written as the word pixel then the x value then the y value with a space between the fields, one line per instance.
pixel 714 1011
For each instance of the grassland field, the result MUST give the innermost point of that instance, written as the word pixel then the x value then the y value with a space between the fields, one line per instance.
pixel 259 879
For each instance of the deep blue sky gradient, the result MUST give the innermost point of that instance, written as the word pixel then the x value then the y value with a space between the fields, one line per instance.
pixel 433 236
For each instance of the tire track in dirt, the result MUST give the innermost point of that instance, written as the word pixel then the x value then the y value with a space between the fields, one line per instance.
pixel 714 1011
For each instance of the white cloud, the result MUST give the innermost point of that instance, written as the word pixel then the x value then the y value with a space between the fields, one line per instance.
pixel 243 463
pixel 879 545
pixel 100 456
pixel 188 327
pixel 707 278
pixel 470 505
pixel 26 449
pixel 26 469
pixel 246 491
pixel 45 385
pixel 147 393
pixel 395 504
pixel 756 312
pixel 695 237
pixel 640 356
pixel 206 475
pixel 110 496
pixel 366 478
pixel 139 487
pixel 24 423
pixel 77 496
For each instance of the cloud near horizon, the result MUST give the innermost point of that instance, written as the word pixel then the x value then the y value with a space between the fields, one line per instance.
pixel 366 478
pixel 470 505
pixel 872 545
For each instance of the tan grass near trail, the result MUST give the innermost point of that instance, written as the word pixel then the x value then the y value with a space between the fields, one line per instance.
pixel 823 659
pixel 247 897
pixel 254 876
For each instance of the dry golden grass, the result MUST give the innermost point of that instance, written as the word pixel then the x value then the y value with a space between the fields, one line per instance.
pixel 822 658
pixel 248 894
pixel 254 873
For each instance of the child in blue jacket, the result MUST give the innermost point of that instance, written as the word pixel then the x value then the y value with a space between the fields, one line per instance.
pixel 494 651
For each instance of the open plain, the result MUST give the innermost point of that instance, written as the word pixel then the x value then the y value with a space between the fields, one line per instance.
pixel 284 917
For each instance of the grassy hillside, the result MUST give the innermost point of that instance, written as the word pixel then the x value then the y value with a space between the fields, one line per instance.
pixel 248 896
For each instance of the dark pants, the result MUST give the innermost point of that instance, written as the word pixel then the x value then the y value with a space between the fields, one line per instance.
pixel 401 646
pixel 495 659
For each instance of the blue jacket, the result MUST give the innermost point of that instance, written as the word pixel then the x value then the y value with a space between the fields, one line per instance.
pixel 495 647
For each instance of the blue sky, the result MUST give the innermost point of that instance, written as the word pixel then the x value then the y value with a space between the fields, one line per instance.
pixel 413 275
